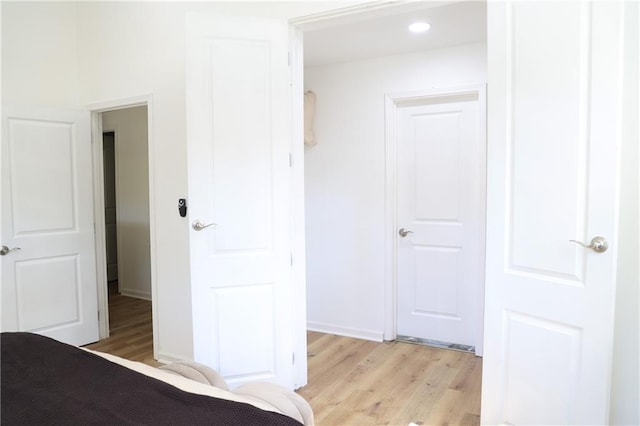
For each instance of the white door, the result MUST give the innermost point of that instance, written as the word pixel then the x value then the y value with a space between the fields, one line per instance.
pixel 238 121
pixel 440 215
pixel 554 116
pixel 49 279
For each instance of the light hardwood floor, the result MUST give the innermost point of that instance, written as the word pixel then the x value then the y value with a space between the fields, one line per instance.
pixel 351 381
pixel 358 382
pixel 131 335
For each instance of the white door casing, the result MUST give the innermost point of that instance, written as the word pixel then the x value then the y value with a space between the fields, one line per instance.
pixel 97 109
pixel 49 285
pixel 440 201
pixel 238 138
pixel 298 243
pixel 554 117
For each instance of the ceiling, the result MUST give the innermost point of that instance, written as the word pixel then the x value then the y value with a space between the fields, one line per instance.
pixel 370 35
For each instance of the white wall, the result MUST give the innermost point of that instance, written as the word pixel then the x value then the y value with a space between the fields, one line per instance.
pixel 132 199
pixel 625 387
pixel 345 182
pixel 80 53
pixel 39 54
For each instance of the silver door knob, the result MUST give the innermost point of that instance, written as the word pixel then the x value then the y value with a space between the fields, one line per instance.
pixel 404 232
pixel 597 244
pixel 199 226
pixel 6 250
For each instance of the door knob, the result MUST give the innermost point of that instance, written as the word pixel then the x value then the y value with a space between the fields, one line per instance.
pixel 6 250
pixel 404 232
pixel 199 226
pixel 597 244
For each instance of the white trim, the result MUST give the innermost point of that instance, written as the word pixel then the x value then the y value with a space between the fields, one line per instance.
pixel 168 358
pixel 97 109
pixel 123 103
pixel 482 245
pixel 358 333
pixel 358 12
pixel 136 294
pixel 390 216
pixel 99 225
pixel 298 242
pixel 392 103
pixel 342 12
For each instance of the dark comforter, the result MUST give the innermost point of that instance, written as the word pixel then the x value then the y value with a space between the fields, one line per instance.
pixel 48 382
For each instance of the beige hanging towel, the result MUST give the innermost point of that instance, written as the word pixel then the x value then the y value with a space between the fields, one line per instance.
pixel 309 114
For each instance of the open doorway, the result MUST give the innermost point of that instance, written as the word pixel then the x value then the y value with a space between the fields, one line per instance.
pixel 124 231
pixel 126 195
pixel 352 219
pixel 352 214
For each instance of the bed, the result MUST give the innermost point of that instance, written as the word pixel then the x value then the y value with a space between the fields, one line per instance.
pixel 44 381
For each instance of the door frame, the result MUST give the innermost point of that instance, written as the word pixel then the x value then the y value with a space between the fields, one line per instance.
pixel 298 237
pixel 393 102
pixel 99 220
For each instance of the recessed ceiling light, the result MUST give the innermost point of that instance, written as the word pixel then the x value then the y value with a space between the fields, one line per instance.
pixel 419 27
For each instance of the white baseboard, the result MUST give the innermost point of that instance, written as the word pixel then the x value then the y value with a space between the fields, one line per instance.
pixel 358 333
pixel 135 294
pixel 167 358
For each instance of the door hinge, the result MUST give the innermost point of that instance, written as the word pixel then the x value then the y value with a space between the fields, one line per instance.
pixel 290 160
pixel 293 358
pixel 289 59
pixel 291 259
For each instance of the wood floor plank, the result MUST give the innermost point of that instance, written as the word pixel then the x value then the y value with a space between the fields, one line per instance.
pixel 351 381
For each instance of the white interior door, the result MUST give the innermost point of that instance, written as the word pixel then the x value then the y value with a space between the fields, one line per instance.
pixel 49 280
pixel 554 116
pixel 440 216
pixel 238 118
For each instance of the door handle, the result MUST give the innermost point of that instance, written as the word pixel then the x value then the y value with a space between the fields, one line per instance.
pixel 597 244
pixel 6 250
pixel 199 226
pixel 404 232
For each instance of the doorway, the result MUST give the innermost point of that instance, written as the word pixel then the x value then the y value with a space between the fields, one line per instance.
pixel 124 215
pixel 350 251
pixel 436 167
pixel 126 194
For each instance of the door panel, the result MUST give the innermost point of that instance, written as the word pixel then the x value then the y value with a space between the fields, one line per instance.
pixel 53 280
pixel 554 102
pixel 49 285
pixel 238 104
pixel 34 178
pixel 241 171
pixel 563 79
pixel 233 323
pixel 439 200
